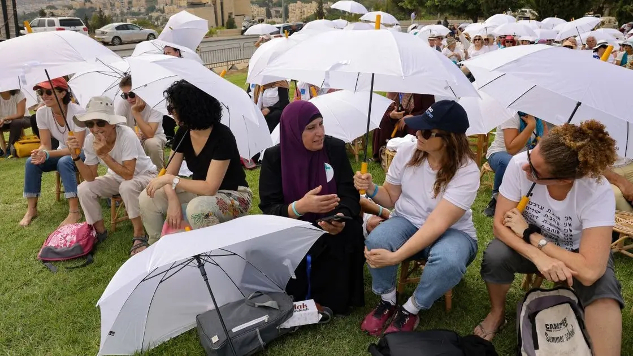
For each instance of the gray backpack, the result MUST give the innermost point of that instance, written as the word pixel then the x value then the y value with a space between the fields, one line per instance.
pixel 551 322
pixel 252 323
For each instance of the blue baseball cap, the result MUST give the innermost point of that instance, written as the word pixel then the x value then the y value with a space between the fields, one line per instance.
pixel 445 115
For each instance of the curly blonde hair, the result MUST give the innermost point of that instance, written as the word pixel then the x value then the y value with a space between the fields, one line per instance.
pixel 577 151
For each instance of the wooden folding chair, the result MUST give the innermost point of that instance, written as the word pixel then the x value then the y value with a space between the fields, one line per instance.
pixel 408 268
pixel 118 213
pixel 59 186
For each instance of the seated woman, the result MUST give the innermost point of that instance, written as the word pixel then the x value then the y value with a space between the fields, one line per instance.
pixel 513 136
pixel 218 191
pixel 272 98
pixel 565 231
pixel 308 176
pixel 431 183
pixel 117 147
pixel 52 124
pixel 12 110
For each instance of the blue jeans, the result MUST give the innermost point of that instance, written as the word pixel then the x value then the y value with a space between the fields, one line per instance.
pixel 447 259
pixel 64 165
pixel 498 161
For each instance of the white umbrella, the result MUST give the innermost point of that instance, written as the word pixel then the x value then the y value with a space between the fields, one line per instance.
pixel 485 113
pixel 481 29
pixel 100 80
pixel 349 6
pixel 345 114
pixel 600 36
pixel 546 34
pixel 533 24
pixel 438 29
pixel 317 24
pixel 514 29
pixel 26 57
pixel 551 22
pixel 385 18
pixel 340 23
pixel 576 27
pixel 185 29
pixel 261 29
pixel 156 295
pixel 500 19
pixel 264 55
pixel 157 47
pixel 361 26
pixel 610 32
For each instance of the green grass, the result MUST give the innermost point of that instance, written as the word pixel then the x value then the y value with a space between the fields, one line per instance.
pixel 54 314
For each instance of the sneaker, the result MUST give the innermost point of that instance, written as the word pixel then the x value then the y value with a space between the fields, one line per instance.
pixel 403 321
pixel 490 209
pixel 375 321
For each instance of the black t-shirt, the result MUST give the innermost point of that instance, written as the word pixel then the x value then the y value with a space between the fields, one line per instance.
pixel 220 146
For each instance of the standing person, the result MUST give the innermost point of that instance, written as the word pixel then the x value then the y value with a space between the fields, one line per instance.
pixel 147 122
pixel 336 260
pixel 445 22
pixel 564 232
pixel 218 190
pixel 432 184
pixel 51 124
pixel 12 110
pixel 115 146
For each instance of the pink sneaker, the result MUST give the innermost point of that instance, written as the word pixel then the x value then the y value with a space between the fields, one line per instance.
pixel 403 321
pixel 376 320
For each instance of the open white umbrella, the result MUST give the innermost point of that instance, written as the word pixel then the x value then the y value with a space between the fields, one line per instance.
pixel 500 19
pixel 600 36
pixel 608 33
pixel 438 29
pixel 340 23
pixel 361 26
pixel 318 24
pixel 533 24
pixel 484 113
pixel 100 80
pixel 157 47
pixel 185 29
pixel 546 34
pixel 576 27
pixel 481 29
pixel 385 18
pixel 345 114
pixel 514 29
pixel 261 29
pixel 349 6
pixel 157 294
pixel 551 22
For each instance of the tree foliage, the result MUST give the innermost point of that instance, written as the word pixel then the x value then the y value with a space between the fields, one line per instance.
pixel 564 9
pixel 99 19
pixel 471 9
pixel 320 13
pixel 41 13
pixel 230 22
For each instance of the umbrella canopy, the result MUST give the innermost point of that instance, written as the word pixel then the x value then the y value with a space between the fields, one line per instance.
pixel 551 22
pixel 514 29
pixel 261 29
pixel 157 47
pixel 481 29
pixel 613 32
pixel 361 26
pixel 348 60
pixel 264 55
pixel 185 29
pixel 317 24
pixel 500 19
pixel 25 60
pixel 576 27
pixel 349 6
pixel 600 35
pixel 345 114
pixel 438 29
pixel 546 34
pixel 100 80
pixel 533 24
pixel 156 295
pixel 484 113
pixel 385 18
pixel 340 23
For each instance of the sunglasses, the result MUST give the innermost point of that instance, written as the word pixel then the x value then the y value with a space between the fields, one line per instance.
pixel 428 134
pixel 477 39
pixel 91 123
pixel 48 92
pixel 130 95
pixel 535 174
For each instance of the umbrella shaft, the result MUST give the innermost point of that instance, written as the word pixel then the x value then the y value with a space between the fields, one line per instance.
pixel 371 96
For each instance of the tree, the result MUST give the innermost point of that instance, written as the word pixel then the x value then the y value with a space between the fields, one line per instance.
pixel 564 9
pixel 269 14
pixel 150 9
pixel 285 10
pixel 51 14
pixel 469 8
pixel 492 7
pixel 624 11
pixel 87 23
pixel 41 13
pixel 320 14
pixel 230 22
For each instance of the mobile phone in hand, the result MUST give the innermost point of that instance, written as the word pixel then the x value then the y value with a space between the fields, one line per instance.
pixel 337 218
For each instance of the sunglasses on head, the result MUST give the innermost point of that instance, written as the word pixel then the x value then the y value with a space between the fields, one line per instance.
pixel 91 123
pixel 48 92
pixel 428 134
pixel 130 95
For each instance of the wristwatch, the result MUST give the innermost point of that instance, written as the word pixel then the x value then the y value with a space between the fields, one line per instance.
pixel 175 182
pixel 531 229
pixel 541 244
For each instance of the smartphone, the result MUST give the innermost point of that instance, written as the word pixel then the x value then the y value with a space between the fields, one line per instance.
pixel 337 218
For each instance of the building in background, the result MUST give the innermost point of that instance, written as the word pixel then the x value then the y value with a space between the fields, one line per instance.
pixel 9 26
pixel 217 12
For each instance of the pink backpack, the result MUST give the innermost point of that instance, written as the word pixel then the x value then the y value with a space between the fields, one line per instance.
pixel 69 242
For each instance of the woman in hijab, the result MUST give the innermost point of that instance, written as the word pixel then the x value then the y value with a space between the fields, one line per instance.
pixel 308 176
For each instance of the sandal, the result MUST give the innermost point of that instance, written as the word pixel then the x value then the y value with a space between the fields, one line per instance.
pixel 142 243
pixel 494 332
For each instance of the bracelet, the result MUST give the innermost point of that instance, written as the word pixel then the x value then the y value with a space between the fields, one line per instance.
pixel 380 210
pixel 47 155
pixel 372 195
pixel 76 158
pixel 295 210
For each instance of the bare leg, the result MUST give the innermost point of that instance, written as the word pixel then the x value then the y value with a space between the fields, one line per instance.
pixel 139 231
pixel 488 327
pixel 74 214
pixel 31 212
pixel 604 323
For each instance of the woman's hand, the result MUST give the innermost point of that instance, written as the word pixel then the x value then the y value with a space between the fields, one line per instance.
pixel 38 156
pixel 396 115
pixel 378 258
pixel 158 183
pixel 529 120
pixel 174 215
pixel 73 145
pixel 514 220
pixel 334 227
pixel 317 204
pixel 139 105
pixel 373 223
pixel 265 111
pixel 554 270
pixel 100 145
pixel 363 182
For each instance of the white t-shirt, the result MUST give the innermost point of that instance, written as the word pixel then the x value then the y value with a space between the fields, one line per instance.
pixel 452 54
pixel 499 143
pixel 472 52
pixel 416 201
pixel 10 107
pixel 493 47
pixel 126 147
pixel 148 114
pixel 45 120
pixel 588 204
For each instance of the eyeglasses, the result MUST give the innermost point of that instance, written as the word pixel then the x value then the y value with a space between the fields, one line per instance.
pixel 48 92
pixel 91 123
pixel 477 39
pixel 428 134
pixel 170 109
pixel 533 172
pixel 130 95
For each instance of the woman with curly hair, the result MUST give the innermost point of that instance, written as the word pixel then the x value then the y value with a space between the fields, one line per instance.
pixel 431 183
pixel 218 190
pixel 564 232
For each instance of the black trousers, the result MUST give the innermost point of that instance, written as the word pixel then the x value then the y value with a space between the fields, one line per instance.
pixel 15 129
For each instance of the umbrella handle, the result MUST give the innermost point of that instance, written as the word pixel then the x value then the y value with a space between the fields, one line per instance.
pixel 377 25
pixel 363 170
pixel 523 203
pixel 77 150
pixel 607 53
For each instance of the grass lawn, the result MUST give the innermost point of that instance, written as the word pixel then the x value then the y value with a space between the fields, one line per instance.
pixel 54 314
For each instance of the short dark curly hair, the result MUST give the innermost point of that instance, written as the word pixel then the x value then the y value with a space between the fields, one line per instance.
pixel 196 109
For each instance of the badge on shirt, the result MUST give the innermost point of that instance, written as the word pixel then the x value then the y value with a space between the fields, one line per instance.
pixel 329 172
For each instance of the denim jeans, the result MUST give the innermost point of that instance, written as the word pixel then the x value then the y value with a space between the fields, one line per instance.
pixel 447 259
pixel 64 165
pixel 498 161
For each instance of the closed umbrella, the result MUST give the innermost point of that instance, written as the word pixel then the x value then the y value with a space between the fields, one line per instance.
pixel 349 6
pixel 157 47
pixel 500 19
pixel 546 34
pixel 551 22
pixel 385 18
pixel 438 29
pixel 261 29
pixel 514 29
pixel 156 295
pixel 185 29
pixel 577 27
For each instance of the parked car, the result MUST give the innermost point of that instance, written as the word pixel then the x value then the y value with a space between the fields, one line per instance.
pixel 290 27
pixel 44 24
pixel 118 33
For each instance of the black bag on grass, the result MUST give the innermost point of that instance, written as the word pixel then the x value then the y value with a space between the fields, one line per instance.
pixel 431 343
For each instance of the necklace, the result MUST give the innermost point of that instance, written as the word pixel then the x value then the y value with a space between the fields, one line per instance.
pixel 57 125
